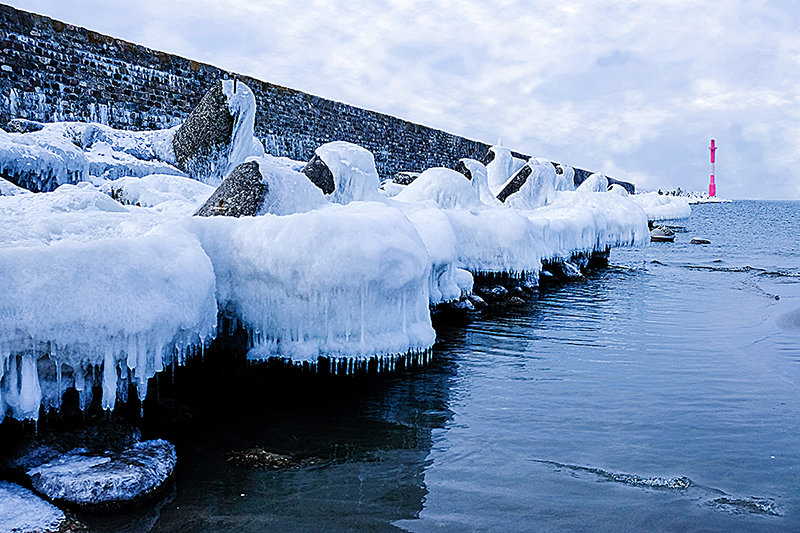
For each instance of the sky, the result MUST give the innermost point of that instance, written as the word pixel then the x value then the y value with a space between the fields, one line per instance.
pixel 630 88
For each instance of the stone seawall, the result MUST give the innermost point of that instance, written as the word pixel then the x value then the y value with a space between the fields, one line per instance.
pixel 52 71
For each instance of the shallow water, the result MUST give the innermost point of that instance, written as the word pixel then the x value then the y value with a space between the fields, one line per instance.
pixel 661 394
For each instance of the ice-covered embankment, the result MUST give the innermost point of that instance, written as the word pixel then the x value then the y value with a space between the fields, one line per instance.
pixel 663 207
pixel 313 261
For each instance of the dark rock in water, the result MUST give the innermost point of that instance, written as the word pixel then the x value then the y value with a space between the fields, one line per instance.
pixel 462 168
pixel 489 157
pixel 515 300
pixel 698 240
pixel 258 458
pixel 464 304
pixel 21 511
pixel 320 175
pixel 662 234
pixel 109 480
pixel 496 292
pixel 405 178
pixel 519 291
pixel 477 301
pixel 515 183
pixel 21 125
pixel 203 141
pixel 240 194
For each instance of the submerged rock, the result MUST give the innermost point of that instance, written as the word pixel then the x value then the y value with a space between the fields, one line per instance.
pixel 662 234
pixel 111 479
pixel 258 458
pixel 240 194
pixel 21 511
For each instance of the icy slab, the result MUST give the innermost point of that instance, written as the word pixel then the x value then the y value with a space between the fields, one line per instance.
pixel 353 169
pixel 663 207
pixel 109 479
pixel 165 193
pixel 21 511
pixel 340 281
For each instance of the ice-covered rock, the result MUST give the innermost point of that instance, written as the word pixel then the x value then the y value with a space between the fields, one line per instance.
pixel 163 192
pixel 21 511
pixel 109 480
pixel 404 178
pixel 447 188
pixel 501 165
pixel 595 183
pixel 344 171
pixel 663 207
pixel 218 134
pixel 531 187
pixel 476 172
pixel 618 190
pixel 9 189
pixel 263 185
pixel 565 178
pixel 22 125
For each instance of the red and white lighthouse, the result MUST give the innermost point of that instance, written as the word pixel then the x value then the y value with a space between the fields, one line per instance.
pixel 712 187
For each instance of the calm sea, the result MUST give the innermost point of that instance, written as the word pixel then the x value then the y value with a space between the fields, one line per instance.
pixel 660 394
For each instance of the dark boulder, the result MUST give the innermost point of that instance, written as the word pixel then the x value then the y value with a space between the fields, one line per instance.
pixel 240 194
pixel 257 458
pixel 203 141
pixel 320 175
pixel 462 167
pixel 489 157
pixel 405 178
pixel 699 240
pixel 515 183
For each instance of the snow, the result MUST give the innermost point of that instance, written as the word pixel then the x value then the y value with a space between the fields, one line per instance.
pixel 353 169
pixel 566 180
pixel 9 189
pixel 21 511
pixel 446 188
pixel 287 190
pixel 163 192
pixel 663 207
pixel 480 181
pixel 83 479
pixel 501 168
pixel 538 189
pixel 594 183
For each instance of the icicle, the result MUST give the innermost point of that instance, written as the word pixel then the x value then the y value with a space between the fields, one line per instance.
pixel 30 392
pixel 109 381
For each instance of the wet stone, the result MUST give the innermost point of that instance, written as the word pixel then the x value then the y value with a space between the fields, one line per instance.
pixel 22 511
pixel 515 183
pixel 320 175
pixel 258 458
pixel 699 240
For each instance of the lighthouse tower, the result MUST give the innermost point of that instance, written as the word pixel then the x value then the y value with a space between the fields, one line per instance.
pixel 712 187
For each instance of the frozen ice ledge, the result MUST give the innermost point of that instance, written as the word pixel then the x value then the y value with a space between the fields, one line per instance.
pixel 105 282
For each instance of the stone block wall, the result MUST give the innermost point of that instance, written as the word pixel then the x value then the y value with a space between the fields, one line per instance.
pixel 52 71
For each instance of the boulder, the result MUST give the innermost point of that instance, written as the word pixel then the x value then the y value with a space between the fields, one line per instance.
pixel 515 183
pixel 662 234
pixel 461 167
pixel 109 479
pixel 240 194
pixel 21 511
pixel 699 240
pixel 320 175
pixel 257 458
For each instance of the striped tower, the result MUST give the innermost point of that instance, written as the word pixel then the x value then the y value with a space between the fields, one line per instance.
pixel 712 187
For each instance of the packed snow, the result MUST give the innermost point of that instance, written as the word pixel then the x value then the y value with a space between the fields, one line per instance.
pixel 108 281
pixel 663 207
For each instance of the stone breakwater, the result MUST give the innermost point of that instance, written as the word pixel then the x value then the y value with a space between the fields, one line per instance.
pixel 53 71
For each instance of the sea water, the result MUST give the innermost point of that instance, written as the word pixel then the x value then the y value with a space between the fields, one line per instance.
pixel 660 394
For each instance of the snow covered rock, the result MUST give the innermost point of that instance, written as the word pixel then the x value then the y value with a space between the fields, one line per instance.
pixel 531 187
pixel 501 165
pixel 595 183
pixel 263 185
pixel 447 188
pixel 663 207
pixel 565 178
pixel 163 192
pixel 476 172
pixel 404 178
pixel 108 480
pixel 218 134
pixel 344 171
pixel 9 189
pixel 21 511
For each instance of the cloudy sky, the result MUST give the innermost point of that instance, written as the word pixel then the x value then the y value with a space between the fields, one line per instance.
pixel 634 89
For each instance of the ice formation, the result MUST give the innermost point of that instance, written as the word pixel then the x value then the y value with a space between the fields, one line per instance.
pixel 663 207
pixel 565 181
pixel 105 283
pixel 242 105
pixel 22 511
pixel 595 183
pixel 353 169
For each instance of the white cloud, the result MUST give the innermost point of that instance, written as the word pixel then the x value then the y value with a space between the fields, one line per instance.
pixel 633 88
